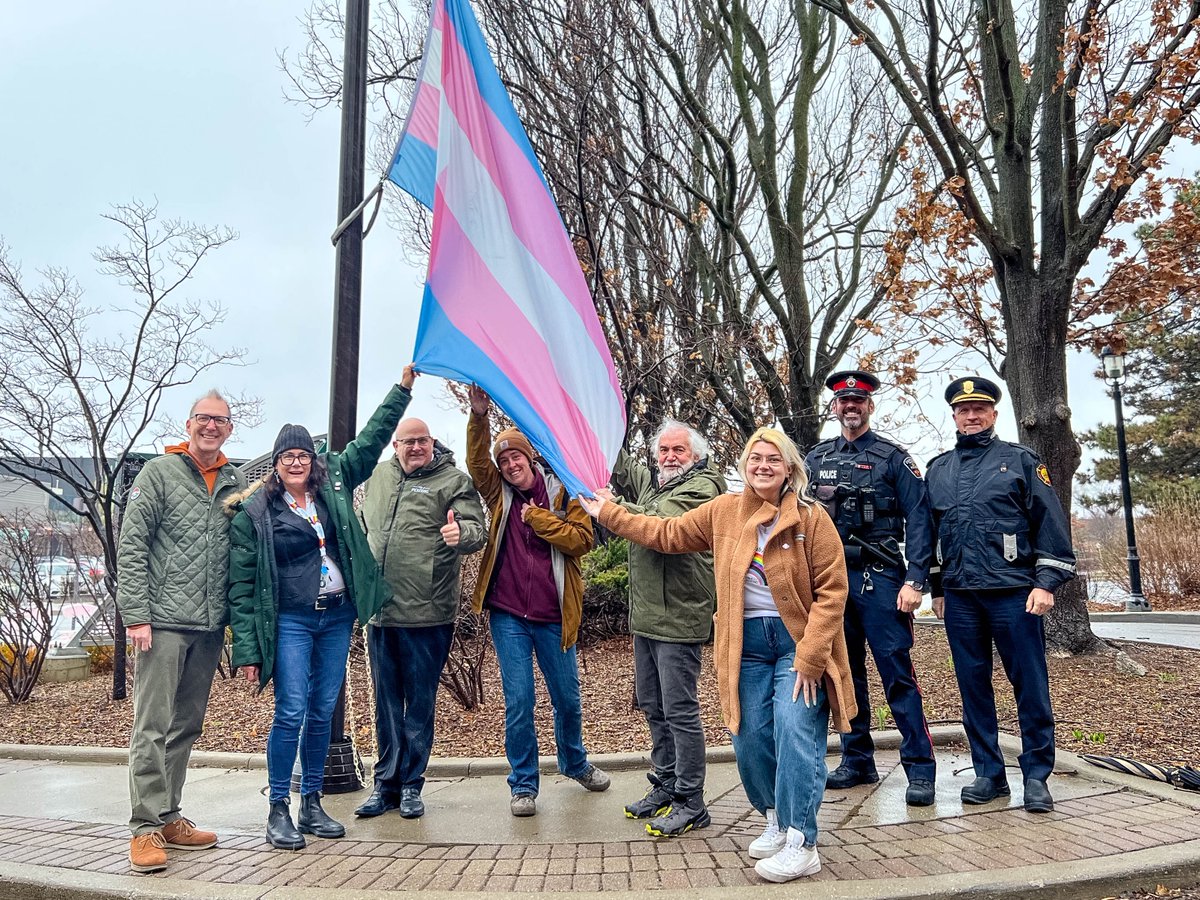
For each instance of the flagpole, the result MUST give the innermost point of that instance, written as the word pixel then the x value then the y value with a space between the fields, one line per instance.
pixel 342 765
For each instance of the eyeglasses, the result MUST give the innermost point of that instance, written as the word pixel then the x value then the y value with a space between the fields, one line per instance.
pixel 290 459
pixel 205 418
pixel 409 443
pixel 773 461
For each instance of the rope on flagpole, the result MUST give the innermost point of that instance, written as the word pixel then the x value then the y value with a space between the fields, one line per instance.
pixel 376 194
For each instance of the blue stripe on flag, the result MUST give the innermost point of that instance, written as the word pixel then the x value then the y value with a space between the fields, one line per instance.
pixel 448 353
pixel 414 169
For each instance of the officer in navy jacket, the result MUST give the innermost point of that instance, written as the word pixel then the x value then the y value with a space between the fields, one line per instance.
pixel 1003 546
pixel 874 492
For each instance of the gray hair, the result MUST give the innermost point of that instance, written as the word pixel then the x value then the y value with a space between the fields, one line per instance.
pixel 695 438
pixel 213 394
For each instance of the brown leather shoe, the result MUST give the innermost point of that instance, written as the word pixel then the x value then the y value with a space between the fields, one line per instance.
pixel 147 852
pixel 182 834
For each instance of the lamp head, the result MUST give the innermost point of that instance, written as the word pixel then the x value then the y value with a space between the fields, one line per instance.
pixel 1114 365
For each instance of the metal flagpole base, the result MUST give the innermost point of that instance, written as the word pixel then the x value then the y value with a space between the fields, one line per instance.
pixel 343 769
pixel 1137 603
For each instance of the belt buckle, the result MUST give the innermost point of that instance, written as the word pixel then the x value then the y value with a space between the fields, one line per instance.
pixel 319 605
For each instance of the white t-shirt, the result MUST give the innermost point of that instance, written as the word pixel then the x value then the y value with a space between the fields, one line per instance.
pixel 759 604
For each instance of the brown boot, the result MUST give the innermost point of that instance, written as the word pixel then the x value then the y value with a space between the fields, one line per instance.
pixel 182 834
pixel 148 852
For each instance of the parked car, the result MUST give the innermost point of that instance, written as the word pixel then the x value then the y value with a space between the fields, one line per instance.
pixel 64 577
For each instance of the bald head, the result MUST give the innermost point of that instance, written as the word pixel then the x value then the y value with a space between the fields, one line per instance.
pixel 413 445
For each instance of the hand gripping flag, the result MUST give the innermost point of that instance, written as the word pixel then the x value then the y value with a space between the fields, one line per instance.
pixel 506 305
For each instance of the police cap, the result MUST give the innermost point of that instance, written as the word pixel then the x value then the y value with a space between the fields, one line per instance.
pixel 852 383
pixel 972 387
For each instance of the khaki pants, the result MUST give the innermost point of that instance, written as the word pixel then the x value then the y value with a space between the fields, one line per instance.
pixel 171 683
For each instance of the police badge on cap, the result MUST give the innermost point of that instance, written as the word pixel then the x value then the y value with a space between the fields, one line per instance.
pixel 852 383
pixel 972 387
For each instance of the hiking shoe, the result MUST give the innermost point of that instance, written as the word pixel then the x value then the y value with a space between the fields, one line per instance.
pixel 182 834
pixel 847 776
pixel 148 852
pixel 684 814
pixel 594 779
pixel 920 792
pixel 792 862
pixel 655 801
pixel 771 841
pixel 523 805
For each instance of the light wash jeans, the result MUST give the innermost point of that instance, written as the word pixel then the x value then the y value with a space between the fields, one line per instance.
pixel 517 641
pixel 310 664
pixel 780 746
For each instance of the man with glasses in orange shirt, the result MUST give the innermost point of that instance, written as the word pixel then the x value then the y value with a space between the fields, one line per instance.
pixel 173 571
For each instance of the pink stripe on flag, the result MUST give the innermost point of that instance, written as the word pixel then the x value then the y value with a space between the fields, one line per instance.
pixel 507 337
pixel 423 121
pixel 530 205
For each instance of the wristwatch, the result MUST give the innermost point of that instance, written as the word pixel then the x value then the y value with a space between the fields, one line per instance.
pixel 918 586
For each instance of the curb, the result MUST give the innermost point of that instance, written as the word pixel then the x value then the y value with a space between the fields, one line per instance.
pixel 444 767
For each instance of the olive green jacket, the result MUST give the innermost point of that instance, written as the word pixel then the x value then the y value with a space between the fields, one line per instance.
pixel 403 515
pixel 253 593
pixel 671 597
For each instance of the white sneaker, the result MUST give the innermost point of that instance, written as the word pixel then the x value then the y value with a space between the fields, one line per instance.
pixel 771 841
pixel 793 861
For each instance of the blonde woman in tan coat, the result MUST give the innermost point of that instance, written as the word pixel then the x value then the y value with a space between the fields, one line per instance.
pixel 780 653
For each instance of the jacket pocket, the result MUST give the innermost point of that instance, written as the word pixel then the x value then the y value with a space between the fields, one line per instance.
pixel 1008 540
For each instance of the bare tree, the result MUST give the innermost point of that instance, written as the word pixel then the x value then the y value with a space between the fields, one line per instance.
pixel 26 608
pixel 727 177
pixel 81 386
pixel 1040 123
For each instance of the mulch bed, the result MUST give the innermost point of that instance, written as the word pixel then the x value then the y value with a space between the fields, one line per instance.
pixel 1099 710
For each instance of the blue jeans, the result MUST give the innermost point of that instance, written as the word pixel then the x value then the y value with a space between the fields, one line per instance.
pixel 516 641
pixel 310 664
pixel 780 746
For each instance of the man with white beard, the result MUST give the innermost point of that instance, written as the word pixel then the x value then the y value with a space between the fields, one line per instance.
pixel 671 603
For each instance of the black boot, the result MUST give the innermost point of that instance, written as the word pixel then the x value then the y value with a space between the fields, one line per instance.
pixel 314 820
pixel 281 832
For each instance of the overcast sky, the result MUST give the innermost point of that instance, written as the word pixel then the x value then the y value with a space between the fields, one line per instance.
pixel 183 103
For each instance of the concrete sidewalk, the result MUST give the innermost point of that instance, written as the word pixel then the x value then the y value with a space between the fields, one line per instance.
pixel 63 836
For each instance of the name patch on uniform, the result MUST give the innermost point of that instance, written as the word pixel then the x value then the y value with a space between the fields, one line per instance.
pixel 419 489
pixel 866 466
pixel 1044 474
pixel 912 466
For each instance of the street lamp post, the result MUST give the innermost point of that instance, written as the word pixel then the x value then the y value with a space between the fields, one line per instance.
pixel 1114 375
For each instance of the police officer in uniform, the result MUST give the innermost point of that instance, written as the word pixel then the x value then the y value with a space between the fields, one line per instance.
pixel 1003 546
pixel 874 492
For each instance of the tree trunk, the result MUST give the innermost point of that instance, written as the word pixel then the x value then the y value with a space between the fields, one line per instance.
pixel 1035 371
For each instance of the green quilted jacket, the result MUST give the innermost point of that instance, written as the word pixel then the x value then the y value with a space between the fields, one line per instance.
pixel 173 556
pixel 253 594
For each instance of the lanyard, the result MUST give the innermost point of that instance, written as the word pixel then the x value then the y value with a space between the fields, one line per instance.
pixel 309 513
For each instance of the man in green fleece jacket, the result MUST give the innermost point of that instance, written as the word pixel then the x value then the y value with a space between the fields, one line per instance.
pixel 421 515
pixel 671 603
pixel 172 579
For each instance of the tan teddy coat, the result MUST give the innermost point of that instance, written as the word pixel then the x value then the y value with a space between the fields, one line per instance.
pixel 805 570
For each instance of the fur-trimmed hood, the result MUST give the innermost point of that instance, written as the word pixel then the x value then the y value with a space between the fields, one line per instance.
pixel 234 502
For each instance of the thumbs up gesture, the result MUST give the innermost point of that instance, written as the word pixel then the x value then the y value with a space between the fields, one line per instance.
pixel 451 533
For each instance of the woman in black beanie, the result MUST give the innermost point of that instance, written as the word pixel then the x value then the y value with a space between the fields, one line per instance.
pixel 300 571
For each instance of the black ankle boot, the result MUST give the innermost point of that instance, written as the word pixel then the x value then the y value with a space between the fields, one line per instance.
pixel 281 832
pixel 314 820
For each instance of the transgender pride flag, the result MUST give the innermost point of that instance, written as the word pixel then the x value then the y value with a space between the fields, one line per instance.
pixel 506 305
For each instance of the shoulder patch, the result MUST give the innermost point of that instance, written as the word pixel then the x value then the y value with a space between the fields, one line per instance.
pixel 1043 473
pixel 911 465
pixel 135 493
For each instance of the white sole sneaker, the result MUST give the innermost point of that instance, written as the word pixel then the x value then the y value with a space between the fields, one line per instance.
pixel 766 849
pixel 775 871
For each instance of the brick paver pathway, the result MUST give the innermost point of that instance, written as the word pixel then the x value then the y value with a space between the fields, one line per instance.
pixel 1108 822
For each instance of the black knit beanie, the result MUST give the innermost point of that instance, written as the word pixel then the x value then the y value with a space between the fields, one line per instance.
pixel 292 437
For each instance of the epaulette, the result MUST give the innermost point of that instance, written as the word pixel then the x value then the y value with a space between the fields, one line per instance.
pixel 929 464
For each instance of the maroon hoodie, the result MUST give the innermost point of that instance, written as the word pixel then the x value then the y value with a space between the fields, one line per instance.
pixel 523 584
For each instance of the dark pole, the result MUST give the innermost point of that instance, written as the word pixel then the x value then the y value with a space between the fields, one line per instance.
pixel 1137 601
pixel 341 770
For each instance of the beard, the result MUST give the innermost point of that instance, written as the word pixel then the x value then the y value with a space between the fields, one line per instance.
pixel 670 473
